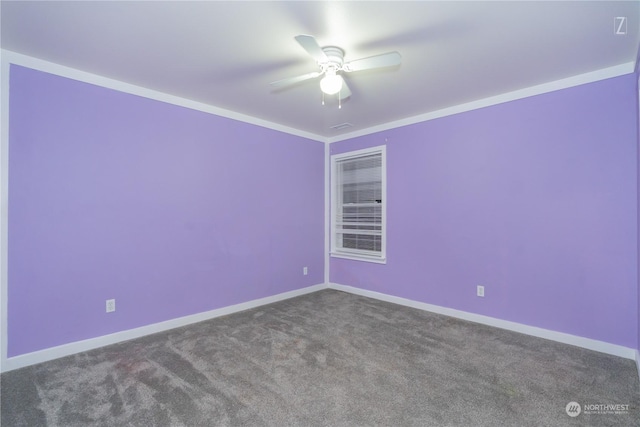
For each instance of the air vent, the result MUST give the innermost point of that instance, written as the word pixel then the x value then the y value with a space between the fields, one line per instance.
pixel 341 126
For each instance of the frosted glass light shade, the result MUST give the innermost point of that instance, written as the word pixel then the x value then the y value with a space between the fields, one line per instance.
pixel 331 83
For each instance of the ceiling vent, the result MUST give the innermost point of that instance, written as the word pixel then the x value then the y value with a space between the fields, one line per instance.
pixel 341 126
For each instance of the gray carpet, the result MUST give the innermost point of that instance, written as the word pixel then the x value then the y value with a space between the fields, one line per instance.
pixel 325 359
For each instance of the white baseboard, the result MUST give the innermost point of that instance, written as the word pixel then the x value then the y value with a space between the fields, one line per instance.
pixel 40 356
pixel 601 346
pixel 24 360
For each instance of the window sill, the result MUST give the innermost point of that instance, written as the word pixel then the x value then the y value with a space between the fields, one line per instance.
pixel 356 257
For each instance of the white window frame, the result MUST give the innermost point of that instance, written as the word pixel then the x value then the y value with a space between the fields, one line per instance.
pixel 351 253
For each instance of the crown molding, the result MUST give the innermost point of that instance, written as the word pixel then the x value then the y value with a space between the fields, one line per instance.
pixel 109 83
pixel 580 79
pixel 86 77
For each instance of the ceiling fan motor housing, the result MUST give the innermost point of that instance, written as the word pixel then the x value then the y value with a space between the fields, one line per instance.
pixel 335 58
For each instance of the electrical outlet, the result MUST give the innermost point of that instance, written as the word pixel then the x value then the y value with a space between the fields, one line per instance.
pixel 305 270
pixel 111 305
pixel 480 291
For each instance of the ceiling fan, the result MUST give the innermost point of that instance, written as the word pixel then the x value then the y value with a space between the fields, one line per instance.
pixel 330 59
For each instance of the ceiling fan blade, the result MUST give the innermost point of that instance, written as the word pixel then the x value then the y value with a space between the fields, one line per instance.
pixel 345 92
pixel 312 47
pixel 385 60
pixel 292 80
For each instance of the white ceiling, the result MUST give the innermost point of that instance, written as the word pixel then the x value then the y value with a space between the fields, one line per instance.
pixel 225 54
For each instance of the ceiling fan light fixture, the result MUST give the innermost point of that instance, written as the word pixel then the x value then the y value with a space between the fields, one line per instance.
pixel 331 83
pixel 330 59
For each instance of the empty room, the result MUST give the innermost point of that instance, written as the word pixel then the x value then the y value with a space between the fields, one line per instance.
pixel 328 213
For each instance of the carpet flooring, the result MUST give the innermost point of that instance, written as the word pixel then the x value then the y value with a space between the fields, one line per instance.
pixel 326 359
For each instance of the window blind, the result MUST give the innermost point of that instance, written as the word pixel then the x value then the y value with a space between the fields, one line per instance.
pixel 358 222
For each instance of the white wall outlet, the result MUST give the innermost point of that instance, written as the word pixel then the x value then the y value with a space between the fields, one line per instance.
pixel 111 305
pixel 305 270
pixel 480 291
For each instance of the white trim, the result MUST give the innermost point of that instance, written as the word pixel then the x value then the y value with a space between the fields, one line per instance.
pixel 327 211
pixel 4 204
pixel 83 76
pixel 580 79
pixel 93 343
pixel 359 255
pixel 591 344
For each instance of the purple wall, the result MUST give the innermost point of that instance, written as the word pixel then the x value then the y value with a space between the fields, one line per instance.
pixel 168 210
pixel 535 199
pixel 174 212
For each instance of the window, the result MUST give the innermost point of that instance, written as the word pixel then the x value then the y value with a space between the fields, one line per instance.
pixel 358 205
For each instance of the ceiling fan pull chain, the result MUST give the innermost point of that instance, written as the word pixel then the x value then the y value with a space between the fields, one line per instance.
pixel 339 100
pixel 322 97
